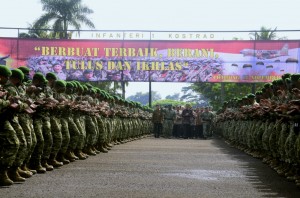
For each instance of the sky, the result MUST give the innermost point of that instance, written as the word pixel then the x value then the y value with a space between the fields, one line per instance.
pixel 170 15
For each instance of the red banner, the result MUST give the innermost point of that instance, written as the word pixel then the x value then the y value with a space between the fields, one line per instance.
pixel 158 61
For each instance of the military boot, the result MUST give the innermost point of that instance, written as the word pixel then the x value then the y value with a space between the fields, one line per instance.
pixel 95 150
pixel 4 179
pixel 60 157
pixel 68 155
pixel 102 149
pixel 25 168
pixel 80 155
pixel 36 165
pixel 47 166
pixel 107 146
pixel 14 175
pixel 89 151
pixel 53 162
pixel 25 174
pixel 76 158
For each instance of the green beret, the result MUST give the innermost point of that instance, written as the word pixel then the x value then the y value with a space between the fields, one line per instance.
pixel 24 69
pixel 251 96
pixel 69 85
pixel 17 73
pixel 5 71
pixel 284 76
pixel 60 83
pixel 267 85
pixel 258 93
pixel 280 82
pixel 85 88
pixel 288 80
pixel 39 76
pixel 89 85
pixel 295 77
pixel 51 75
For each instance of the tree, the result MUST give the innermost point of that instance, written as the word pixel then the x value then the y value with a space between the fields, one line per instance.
pixel 265 34
pixel 171 102
pixel 64 13
pixel 211 92
pixel 143 98
pixel 173 97
pixel 36 31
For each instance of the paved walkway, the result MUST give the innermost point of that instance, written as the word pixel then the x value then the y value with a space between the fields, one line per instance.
pixel 160 168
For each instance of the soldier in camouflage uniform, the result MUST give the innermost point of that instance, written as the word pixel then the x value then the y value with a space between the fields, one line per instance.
pixel 169 118
pixel 15 81
pixel 9 142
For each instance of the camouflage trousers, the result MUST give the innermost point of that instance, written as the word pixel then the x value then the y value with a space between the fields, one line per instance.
pixel 9 144
pixel 74 134
pixel 48 139
pixel 56 134
pixel 22 152
pixel 167 128
pixel 80 123
pixel 26 123
pixel 102 130
pixel 91 130
pixel 38 149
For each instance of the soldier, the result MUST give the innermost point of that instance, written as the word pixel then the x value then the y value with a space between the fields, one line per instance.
pixel 207 118
pixel 26 121
pixel 9 142
pixel 15 81
pixel 157 120
pixel 177 128
pixel 198 123
pixel 187 114
pixel 41 119
pixel 169 117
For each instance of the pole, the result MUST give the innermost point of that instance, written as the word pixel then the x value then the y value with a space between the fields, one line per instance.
pixel 222 92
pixel 150 94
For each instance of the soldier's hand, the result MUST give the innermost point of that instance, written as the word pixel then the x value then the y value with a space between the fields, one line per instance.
pixel 14 106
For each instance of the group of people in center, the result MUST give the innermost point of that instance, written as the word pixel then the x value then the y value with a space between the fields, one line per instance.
pixel 179 122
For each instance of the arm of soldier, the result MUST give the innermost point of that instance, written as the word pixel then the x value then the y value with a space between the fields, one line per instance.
pixel 4 103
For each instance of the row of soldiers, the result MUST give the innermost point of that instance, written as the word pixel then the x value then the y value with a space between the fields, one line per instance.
pixel 266 125
pixel 46 123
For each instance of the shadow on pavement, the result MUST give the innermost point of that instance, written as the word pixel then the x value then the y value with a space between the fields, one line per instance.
pixel 260 175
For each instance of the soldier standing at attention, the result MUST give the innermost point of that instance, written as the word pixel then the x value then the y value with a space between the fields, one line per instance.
pixel 207 118
pixel 177 123
pixel 9 142
pixel 157 120
pixel 187 114
pixel 169 118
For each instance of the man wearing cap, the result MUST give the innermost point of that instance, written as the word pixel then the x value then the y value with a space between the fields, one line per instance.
pixel 9 141
pixel 58 70
pixel 157 120
pixel 88 75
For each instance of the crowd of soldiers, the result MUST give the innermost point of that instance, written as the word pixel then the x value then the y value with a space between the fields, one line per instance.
pixel 47 123
pixel 266 125
pixel 183 122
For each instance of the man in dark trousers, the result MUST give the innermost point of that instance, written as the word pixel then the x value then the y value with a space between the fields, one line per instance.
pixel 157 120
pixel 187 114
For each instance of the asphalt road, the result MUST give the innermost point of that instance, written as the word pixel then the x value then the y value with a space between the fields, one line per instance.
pixel 160 168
